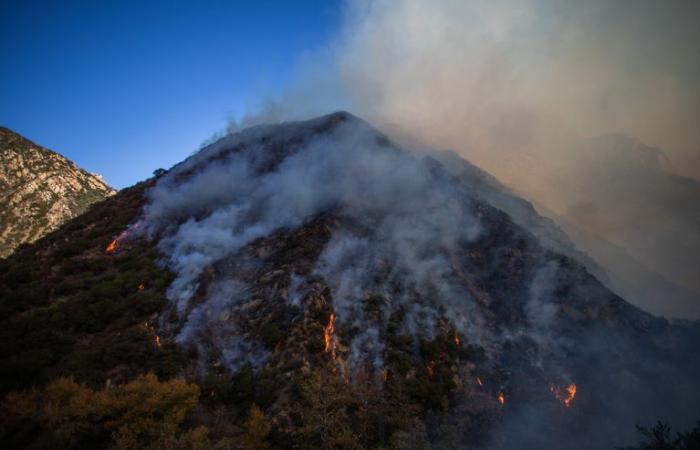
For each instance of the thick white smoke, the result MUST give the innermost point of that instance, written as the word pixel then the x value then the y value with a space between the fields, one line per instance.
pixel 409 217
pixel 404 241
pixel 518 87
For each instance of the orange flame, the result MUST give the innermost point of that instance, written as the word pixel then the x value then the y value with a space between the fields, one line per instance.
pixel 142 287
pixel 457 340
pixel 501 398
pixel 328 336
pixel 150 329
pixel 564 395
pixel 430 368
pixel 112 247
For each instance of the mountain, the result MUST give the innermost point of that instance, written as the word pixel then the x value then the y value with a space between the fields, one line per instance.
pixel 317 286
pixel 632 279
pixel 39 190
pixel 627 193
pixel 620 200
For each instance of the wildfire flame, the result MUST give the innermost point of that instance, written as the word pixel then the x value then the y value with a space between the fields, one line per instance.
pixel 457 340
pixel 501 398
pixel 112 247
pixel 328 336
pixel 142 287
pixel 150 329
pixel 564 394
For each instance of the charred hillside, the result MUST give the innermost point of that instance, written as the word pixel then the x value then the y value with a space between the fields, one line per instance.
pixel 361 296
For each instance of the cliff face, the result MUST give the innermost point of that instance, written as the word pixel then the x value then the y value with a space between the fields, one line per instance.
pixel 40 190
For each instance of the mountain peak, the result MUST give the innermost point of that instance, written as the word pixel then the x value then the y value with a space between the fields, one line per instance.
pixel 296 264
pixel 39 190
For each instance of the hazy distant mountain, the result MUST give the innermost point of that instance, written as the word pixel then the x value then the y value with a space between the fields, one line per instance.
pixel 633 280
pixel 622 203
pixel 39 190
pixel 360 295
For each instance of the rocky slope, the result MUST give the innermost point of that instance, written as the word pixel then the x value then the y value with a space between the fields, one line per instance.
pixel 361 296
pixel 39 190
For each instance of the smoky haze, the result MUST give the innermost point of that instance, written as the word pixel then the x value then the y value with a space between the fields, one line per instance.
pixel 589 109
pixel 434 255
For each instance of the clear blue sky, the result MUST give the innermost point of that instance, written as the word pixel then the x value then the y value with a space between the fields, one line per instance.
pixel 125 87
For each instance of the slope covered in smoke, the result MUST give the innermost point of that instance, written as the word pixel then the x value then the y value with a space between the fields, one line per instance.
pixel 329 219
pixel 519 87
pixel 632 279
pixel 361 295
pixel 627 193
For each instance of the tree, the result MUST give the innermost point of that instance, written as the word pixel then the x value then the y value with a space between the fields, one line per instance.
pixel 325 413
pixel 414 438
pixel 371 408
pixel 658 437
pixel 143 414
pixel 257 428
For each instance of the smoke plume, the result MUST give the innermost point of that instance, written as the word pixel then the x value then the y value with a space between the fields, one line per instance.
pixel 408 216
pixel 519 87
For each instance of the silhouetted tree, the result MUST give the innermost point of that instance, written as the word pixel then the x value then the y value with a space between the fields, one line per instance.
pixel 659 437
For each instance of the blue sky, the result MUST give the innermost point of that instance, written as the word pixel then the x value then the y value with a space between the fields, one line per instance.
pixel 124 87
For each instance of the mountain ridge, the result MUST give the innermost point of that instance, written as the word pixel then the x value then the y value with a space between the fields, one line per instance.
pixel 39 190
pixel 316 265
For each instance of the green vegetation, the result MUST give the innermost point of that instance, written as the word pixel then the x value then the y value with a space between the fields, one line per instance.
pixel 81 355
pixel 257 429
pixel 70 309
pixel 142 414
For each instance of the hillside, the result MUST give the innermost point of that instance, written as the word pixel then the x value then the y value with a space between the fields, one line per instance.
pixel 323 288
pixel 39 190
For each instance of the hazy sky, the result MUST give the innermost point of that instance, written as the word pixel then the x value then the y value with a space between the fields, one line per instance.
pixel 124 87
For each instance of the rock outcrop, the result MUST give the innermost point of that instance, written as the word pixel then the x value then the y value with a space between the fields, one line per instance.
pixel 40 190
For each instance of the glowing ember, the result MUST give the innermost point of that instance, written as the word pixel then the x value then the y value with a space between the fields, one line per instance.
pixel 501 398
pixel 142 287
pixel 328 336
pixel 564 394
pixel 478 381
pixel 112 247
pixel 150 329
pixel 430 368
pixel 457 340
